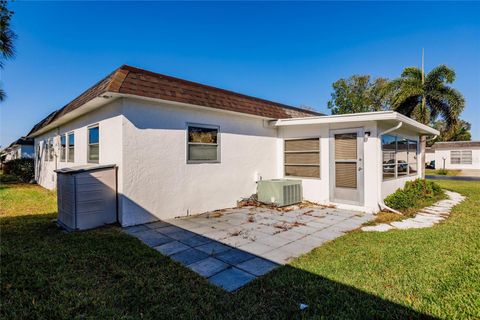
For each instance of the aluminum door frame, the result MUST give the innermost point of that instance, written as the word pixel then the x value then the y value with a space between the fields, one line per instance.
pixel 341 195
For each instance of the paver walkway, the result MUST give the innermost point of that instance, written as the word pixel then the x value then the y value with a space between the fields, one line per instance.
pixel 425 218
pixel 232 247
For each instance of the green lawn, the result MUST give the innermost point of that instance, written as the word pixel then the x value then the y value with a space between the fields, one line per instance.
pixel 47 273
pixel 441 172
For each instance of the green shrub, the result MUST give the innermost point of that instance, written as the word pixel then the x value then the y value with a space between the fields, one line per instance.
pixel 415 194
pixel 23 169
pixel 442 172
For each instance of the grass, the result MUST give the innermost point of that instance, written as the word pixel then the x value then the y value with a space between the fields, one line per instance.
pixel 385 217
pixel 104 273
pixel 441 172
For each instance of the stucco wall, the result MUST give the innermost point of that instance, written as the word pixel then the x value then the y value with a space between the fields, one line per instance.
pixel 158 183
pixel 318 190
pixel 429 156
pixel 110 121
pixel 440 154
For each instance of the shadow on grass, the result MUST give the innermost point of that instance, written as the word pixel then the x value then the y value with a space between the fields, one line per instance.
pixel 105 273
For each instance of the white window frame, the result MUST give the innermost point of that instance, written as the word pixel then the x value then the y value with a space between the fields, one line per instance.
pixel 68 147
pixel 50 149
pixel 319 157
pixel 90 144
pixel 218 144
pixel 396 175
pixel 63 149
pixel 463 155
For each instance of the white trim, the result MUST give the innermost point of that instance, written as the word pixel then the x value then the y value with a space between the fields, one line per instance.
pixel 357 117
pixel 92 126
pixel 67 158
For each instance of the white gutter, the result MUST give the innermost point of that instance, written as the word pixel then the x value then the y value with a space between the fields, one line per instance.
pixel 382 204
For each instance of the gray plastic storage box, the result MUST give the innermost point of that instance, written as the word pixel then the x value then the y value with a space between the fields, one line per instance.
pixel 87 196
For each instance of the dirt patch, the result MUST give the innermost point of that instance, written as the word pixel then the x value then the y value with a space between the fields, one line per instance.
pixel 252 201
pixel 285 226
pixel 385 217
pixel 216 213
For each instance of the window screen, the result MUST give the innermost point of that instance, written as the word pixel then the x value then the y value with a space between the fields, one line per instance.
pixel 399 156
pixel 63 147
pixel 202 144
pixel 71 147
pixel 93 144
pixel 302 158
pixel 461 157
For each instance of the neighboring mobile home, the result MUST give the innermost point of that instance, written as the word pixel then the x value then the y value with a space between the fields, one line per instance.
pixel 21 148
pixel 184 148
pixel 457 155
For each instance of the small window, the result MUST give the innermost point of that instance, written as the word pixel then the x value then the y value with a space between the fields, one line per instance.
pixel 71 147
pixel 63 147
pixel 461 157
pixel 202 144
pixel 302 158
pixel 51 150
pixel 93 144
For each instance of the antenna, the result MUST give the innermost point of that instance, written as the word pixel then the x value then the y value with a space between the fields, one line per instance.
pixel 423 65
pixel 424 100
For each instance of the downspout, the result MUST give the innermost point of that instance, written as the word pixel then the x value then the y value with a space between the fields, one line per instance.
pixel 382 204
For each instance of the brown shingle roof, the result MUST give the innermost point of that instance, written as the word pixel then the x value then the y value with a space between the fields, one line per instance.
pixel 456 145
pixel 139 82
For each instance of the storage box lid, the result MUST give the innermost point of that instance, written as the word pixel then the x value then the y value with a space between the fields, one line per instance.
pixel 84 168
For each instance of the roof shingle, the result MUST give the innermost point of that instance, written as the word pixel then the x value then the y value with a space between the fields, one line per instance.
pixel 139 82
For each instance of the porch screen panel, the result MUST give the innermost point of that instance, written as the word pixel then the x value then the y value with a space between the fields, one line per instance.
pixel 346 160
pixel 346 146
pixel 346 174
pixel 302 158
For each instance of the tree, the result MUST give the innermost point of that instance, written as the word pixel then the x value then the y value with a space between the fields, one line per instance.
pixel 359 94
pixel 458 132
pixel 7 37
pixel 427 98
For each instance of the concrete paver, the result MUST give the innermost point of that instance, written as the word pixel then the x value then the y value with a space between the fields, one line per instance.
pixel 232 247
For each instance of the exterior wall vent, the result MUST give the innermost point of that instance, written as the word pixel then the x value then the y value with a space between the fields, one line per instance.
pixel 281 192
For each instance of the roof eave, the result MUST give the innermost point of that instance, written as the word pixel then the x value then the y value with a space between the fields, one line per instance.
pixel 89 106
pixel 359 117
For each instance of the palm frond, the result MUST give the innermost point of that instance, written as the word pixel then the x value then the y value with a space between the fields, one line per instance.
pixel 439 75
pixel 412 72
pixel 408 105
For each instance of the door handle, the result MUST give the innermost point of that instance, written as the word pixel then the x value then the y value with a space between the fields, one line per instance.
pixel 359 168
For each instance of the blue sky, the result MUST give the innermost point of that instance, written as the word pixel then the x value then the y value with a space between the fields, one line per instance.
pixel 285 52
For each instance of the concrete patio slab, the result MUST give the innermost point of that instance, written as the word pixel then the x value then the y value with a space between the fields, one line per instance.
pixel 171 248
pixel 213 248
pixel 208 267
pixel 232 247
pixel 235 256
pixel 257 266
pixel 152 238
pixel 189 256
pixel 232 279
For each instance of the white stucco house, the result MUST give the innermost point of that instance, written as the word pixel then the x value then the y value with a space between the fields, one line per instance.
pixel 457 155
pixel 20 148
pixel 184 148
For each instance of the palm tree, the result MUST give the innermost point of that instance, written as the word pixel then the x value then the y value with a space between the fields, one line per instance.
pixel 7 37
pixel 425 99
